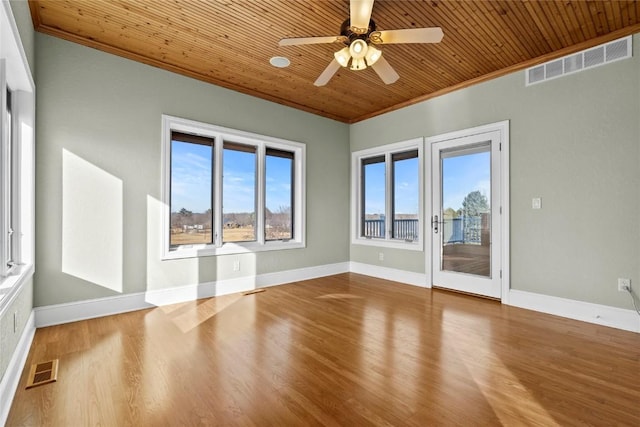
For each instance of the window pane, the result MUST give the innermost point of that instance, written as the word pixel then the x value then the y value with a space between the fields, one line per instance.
pixel 405 195
pixel 373 203
pixel 9 197
pixel 191 189
pixel 278 213
pixel 238 193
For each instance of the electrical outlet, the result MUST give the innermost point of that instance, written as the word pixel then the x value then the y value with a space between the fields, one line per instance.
pixel 624 285
pixel 536 203
pixel 381 256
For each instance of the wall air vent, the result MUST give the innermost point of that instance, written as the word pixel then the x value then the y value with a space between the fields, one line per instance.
pixel 594 57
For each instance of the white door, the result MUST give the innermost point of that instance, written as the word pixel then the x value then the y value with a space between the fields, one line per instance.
pixel 466 213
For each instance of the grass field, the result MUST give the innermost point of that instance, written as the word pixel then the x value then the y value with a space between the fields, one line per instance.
pixel 246 234
pixel 243 234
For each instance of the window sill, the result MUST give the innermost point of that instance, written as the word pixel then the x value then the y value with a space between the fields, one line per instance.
pixel 196 251
pixel 397 244
pixel 11 285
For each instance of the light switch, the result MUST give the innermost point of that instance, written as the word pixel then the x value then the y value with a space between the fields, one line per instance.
pixel 536 203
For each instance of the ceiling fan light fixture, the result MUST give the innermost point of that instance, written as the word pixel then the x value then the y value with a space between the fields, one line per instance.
pixel 373 54
pixel 343 56
pixel 358 64
pixel 358 49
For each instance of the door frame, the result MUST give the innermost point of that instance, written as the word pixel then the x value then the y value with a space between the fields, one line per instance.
pixel 503 129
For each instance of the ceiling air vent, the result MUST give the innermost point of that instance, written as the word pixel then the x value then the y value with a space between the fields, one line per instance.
pixel 594 57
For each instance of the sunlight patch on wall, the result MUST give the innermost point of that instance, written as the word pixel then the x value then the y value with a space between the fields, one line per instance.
pixel 166 274
pixel 92 230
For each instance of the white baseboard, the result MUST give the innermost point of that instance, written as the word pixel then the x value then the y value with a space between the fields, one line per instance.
pixel 408 277
pixel 11 377
pixel 80 310
pixel 578 310
pixel 88 309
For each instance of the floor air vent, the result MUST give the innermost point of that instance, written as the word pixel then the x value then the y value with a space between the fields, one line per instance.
pixel 43 373
pixel 594 57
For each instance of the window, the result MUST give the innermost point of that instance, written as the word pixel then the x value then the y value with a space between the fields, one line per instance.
pixel 8 187
pixel 387 191
pixel 191 194
pixel 280 180
pixel 405 208
pixel 239 169
pixel 230 191
pixel 373 202
pixel 17 113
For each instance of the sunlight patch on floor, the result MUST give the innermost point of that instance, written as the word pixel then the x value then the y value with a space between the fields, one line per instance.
pixel 188 316
pixel 339 296
pixel 509 398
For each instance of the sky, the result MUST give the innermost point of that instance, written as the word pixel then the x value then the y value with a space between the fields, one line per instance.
pixel 406 187
pixel 462 175
pixel 191 180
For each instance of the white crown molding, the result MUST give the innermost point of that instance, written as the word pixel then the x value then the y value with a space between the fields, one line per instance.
pixel 11 378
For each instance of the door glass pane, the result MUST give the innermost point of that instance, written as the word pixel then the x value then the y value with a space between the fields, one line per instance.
pixel 191 180
pixel 238 193
pixel 374 196
pixel 466 211
pixel 278 214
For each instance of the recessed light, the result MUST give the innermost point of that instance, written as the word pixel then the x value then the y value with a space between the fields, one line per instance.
pixel 280 61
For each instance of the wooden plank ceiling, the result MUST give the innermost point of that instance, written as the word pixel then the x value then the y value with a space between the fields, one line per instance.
pixel 229 43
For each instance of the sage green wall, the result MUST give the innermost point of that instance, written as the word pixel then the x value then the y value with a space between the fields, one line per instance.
pixel 102 114
pixel 22 15
pixel 575 142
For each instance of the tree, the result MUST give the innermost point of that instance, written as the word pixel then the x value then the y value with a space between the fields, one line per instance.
pixel 450 213
pixel 474 204
pixel 181 218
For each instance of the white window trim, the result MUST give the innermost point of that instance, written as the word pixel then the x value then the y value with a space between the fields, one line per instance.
pixel 356 195
pixel 221 134
pixel 16 75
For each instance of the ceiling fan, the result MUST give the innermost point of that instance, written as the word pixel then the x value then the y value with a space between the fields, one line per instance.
pixel 359 34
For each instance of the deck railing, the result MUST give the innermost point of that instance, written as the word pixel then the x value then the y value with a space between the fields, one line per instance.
pixel 467 229
pixel 403 229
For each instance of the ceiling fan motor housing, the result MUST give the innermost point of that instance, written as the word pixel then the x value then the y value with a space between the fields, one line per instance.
pixel 347 31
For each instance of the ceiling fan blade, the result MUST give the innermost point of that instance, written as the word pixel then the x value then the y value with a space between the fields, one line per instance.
pixel 412 35
pixel 385 71
pixel 360 13
pixel 309 40
pixel 328 72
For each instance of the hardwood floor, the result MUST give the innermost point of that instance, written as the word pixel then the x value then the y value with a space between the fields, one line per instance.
pixel 342 350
